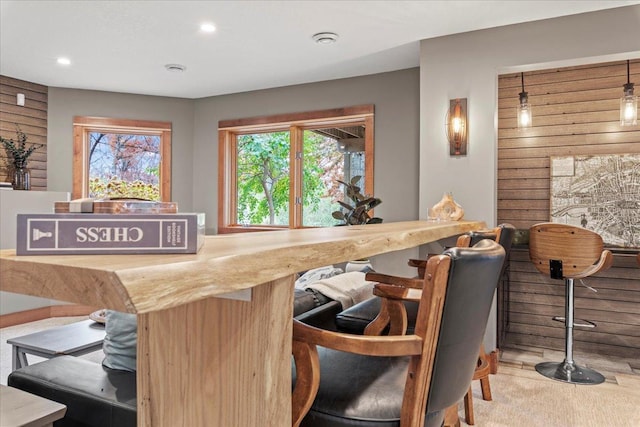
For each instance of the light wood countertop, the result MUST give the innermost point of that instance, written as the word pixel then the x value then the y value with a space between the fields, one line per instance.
pixel 226 263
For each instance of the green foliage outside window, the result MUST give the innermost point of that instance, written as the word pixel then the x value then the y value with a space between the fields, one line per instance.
pixel 263 178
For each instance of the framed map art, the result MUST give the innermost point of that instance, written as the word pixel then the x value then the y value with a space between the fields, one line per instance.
pixel 600 193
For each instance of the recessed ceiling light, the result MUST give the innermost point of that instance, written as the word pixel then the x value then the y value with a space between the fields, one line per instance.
pixel 64 61
pixel 325 38
pixel 175 68
pixel 207 27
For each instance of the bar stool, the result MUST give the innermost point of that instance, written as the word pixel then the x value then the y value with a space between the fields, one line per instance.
pixel 568 252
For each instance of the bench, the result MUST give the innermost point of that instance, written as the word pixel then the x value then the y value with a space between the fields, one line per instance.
pixel 74 339
pixel 97 396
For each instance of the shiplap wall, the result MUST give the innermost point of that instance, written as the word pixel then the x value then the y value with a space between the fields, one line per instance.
pixel 32 119
pixel 575 112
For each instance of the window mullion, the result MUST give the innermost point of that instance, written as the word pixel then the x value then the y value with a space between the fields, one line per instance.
pixel 295 189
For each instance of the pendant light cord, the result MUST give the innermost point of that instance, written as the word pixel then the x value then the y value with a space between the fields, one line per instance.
pixel 628 79
pixel 522 79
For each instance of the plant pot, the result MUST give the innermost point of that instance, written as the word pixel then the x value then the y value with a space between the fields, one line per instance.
pixel 21 179
pixel 362 265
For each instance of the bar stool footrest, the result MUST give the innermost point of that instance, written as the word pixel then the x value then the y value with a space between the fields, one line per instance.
pixel 579 322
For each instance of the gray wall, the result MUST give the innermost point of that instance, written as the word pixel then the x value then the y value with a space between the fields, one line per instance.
pixel 195 136
pixel 395 96
pixel 64 104
pixel 467 66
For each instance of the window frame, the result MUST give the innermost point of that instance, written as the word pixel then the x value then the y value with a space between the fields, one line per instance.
pixel 83 125
pixel 296 124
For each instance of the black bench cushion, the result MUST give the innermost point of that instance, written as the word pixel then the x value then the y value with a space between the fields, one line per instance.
pixel 302 301
pixel 354 319
pixel 95 396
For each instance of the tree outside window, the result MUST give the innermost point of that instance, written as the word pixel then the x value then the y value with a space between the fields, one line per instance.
pixel 288 174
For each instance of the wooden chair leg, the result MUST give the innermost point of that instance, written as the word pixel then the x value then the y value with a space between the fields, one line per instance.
pixel 486 388
pixel 451 418
pixel 468 407
pixel 481 373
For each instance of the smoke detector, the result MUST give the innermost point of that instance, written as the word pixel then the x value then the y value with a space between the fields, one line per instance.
pixel 175 68
pixel 325 38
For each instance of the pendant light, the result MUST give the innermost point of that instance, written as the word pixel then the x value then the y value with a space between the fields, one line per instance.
pixel 524 109
pixel 628 104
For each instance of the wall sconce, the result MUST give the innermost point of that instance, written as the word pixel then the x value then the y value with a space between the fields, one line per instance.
pixel 524 109
pixel 628 104
pixel 456 127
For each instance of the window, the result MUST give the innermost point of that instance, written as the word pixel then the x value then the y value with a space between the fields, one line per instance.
pixel 116 158
pixel 284 171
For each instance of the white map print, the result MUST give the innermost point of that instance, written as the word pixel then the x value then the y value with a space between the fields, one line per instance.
pixel 600 193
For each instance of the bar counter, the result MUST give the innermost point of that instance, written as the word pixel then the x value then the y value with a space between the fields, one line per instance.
pixel 214 328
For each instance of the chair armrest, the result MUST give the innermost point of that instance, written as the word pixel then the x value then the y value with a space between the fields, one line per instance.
pixel 398 345
pixel 307 364
pixel 384 290
pixel 394 280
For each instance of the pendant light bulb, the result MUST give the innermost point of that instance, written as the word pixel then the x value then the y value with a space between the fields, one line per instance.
pixel 524 108
pixel 628 104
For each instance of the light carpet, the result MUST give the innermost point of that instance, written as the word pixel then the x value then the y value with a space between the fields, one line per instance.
pixel 523 397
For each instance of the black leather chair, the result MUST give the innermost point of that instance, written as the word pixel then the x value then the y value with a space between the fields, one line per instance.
pixel 355 319
pixel 413 378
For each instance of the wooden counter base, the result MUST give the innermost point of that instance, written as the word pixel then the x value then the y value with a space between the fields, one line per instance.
pixel 227 354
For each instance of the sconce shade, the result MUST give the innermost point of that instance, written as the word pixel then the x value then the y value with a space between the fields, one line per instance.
pixel 628 104
pixel 456 127
pixel 523 114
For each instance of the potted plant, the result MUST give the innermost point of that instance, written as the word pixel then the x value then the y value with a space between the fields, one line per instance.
pixel 356 212
pixel 19 153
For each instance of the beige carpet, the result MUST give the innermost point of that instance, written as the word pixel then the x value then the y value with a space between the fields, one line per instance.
pixel 521 396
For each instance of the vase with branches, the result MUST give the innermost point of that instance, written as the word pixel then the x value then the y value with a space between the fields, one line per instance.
pixel 18 153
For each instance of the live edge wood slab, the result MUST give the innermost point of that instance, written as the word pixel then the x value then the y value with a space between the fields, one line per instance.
pixel 202 360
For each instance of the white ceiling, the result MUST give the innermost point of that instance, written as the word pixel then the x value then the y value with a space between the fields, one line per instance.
pixel 122 46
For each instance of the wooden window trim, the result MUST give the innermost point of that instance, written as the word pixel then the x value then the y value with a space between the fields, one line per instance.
pixel 82 125
pixel 295 123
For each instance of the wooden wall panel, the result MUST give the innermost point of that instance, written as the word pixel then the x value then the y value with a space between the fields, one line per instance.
pixel 575 111
pixel 32 119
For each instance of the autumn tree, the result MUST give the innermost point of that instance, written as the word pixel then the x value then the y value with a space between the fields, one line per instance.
pixel 123 159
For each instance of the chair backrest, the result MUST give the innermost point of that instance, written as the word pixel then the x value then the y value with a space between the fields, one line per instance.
pixel 473 276
pixel 502 234
pixel 564 251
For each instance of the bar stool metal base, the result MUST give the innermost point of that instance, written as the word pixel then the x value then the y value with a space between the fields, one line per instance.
pixel 569 373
